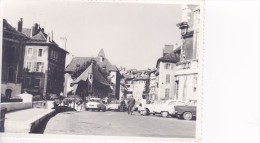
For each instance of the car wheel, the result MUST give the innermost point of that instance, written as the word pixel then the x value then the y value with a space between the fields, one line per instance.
pixel 164 114
pixel 104 110
pixel 87 109
pixel 187 116
pixel 98 110
pixel 147 112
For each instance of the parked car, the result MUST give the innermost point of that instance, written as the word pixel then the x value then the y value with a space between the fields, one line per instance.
pixel 95 104
pixel 163 107
pixel 186 112
pixel 117 106
pixel 113 105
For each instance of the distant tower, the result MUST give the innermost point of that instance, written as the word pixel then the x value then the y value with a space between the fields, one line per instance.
pixel 101 55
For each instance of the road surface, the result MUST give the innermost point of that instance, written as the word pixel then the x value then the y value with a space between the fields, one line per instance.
pixel 119 124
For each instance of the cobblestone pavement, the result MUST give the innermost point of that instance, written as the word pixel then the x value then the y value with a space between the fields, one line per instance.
pixel 119 124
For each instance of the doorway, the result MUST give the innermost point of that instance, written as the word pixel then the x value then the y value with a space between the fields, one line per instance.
pixel 8 93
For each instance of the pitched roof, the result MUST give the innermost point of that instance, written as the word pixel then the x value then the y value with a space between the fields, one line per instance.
pixel 84 75
pixel 75 62
pixel 27 31
pixel 98 77
pixel 40 36
pixel 8 28
pixel 79 61
pixel 171 58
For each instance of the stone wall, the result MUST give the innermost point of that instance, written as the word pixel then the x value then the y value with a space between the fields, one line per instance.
pixel 16 106
pixel 16 88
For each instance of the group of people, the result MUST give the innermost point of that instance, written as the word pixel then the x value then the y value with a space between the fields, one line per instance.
pixel 131 104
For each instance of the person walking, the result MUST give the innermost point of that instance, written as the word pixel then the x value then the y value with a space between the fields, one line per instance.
pixel 131 104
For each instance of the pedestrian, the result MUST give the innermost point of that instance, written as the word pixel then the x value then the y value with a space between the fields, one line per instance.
pixel 143 106
pixel 131 104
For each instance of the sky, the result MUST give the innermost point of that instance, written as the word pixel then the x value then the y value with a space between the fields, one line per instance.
pixel 131 34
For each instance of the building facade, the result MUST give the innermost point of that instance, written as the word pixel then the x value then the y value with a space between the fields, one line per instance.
pixel 186 75
pixel 153 93
pixel 166 66
pixel 44 64
pixel 12 60
pixel 109 72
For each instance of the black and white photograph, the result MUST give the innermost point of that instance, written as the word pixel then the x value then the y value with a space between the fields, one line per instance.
pixel 97 68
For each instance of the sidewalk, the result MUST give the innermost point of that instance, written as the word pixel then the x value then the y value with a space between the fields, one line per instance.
pixel 25 121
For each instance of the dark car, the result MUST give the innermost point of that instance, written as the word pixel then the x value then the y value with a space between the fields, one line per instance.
pixel 186 112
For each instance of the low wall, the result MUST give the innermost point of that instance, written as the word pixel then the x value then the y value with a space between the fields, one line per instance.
pixel 39 104
pixel 16 105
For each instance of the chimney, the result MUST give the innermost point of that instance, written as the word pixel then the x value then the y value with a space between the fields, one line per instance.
pixel 51 36
pixel 48 38
pixel 20 25
pixel 35 29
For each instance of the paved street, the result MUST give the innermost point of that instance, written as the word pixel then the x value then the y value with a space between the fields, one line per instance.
pixel 119 124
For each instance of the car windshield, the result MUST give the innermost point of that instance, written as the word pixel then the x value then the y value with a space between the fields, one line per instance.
pixel 159 102
pixel 95 100
pixel 191 103
pixel 114 102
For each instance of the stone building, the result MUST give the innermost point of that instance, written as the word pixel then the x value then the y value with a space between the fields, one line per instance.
pixel 186 74
pixel 166 66
pixel 109 72
pixel 44 63
pixel 153 93
pixel 12 60
pixel 91 83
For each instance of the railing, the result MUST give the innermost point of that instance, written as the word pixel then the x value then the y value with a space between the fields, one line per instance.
pixel 189 64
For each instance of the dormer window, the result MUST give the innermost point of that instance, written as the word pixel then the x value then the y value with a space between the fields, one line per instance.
pixel 90 76
pixel 101 59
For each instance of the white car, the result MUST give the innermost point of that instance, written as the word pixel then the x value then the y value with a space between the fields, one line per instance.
pixel 95 104
pixel 163 107
pixel 113 105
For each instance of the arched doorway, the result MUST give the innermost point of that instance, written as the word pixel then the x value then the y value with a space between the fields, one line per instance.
pixel 8 93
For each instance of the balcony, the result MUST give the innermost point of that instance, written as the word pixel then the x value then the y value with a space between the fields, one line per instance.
pixel 187 67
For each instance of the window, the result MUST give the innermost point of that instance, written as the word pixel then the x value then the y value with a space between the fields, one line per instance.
pixel 28 66
pixel 167 66
pixel 39 66
pixel 168 78
pixel 40 51
pixel 90 76
pixel 57 56
pixel 194 89
pixel 27 81
pixel 167 92
pixel 29 51
pixel 177 89
pixel 101 59
pixel 52 54
pixel 37 82
pixel 172 67
pixel 152 88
